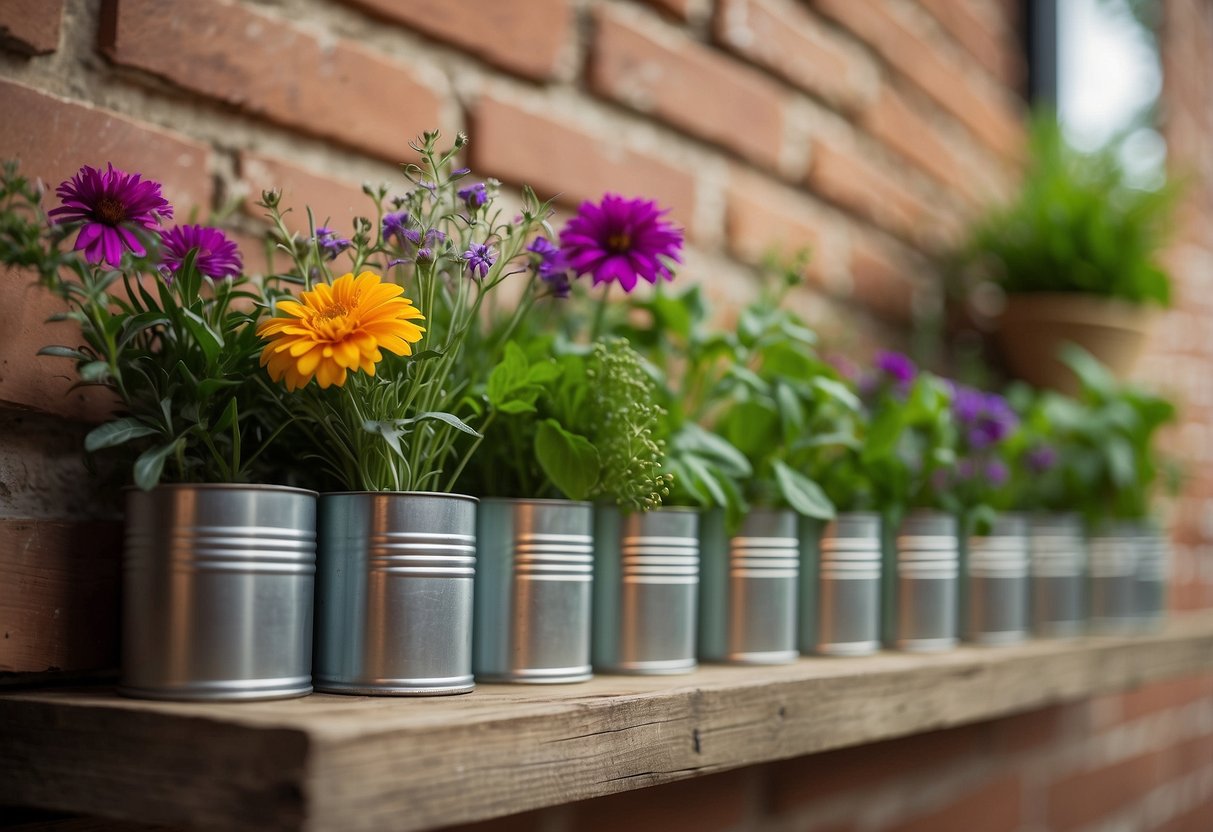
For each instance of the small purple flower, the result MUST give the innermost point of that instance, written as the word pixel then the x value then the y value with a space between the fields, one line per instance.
pixel 1041 458
pixel 620 241
pixel 217 256
pixel 897 366
pixel 551 268
pixel 395 224
pixel 430 236
pixel 424 255
pixel 996 472
pixel 458 172
pixel 474 196
pixel 109 204
pixel 480 258
pixel 330 243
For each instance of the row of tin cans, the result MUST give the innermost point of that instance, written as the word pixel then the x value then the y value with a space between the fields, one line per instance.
pixel 420 594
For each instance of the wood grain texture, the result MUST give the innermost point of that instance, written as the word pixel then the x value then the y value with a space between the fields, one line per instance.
pixel 355 763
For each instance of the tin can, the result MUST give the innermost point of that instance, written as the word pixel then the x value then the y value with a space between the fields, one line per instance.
pixel 1113 578
pixel 394 593
pixel 748 587
pixel 847 612
pixel 1153 568
pixel 217 592
pixel 927 577
pixel 535 564
pixel 997 603
pixel 646 584
pixel 1057 550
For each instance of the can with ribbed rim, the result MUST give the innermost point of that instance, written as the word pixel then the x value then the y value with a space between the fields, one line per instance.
pixel 646 585
pixel 394 593
pixel 1113 577
pixel 535 565
pixel 997 597
pixel 1153 567
pixel 926 582
pixel 217 596
pixel 1057 551
pixel 748 587
pixel 846 601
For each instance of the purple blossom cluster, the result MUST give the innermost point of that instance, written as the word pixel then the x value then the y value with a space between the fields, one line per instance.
pixel 984 420
pixel 551 267
pixel 330 243
pixel 891 371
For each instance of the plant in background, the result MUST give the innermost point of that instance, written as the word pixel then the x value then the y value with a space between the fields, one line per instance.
pixel 392 397
pixel 987 444
pixel 166 321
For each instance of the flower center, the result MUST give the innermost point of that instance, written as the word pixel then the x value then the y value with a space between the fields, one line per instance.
pixel 619 243
pixel 111 210
pixel 333 323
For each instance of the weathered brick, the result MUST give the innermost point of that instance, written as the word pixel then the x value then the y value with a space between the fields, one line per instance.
pixel 765 219
pixel 332 201
pixel 994 47
pixel 986 109
pixel 267 67
pixel 1162 696
pixel 557 157
pixel 788 40
pixel 680 9
pixel 661 71
pixel 995 806
pixel 30 26
pixel 880 279
pixel 70 135
pixel 528 37
pixel 702 804
pixel 1088 796
pixel 59 596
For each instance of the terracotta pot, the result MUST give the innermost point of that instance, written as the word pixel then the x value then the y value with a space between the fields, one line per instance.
pixel 1034 328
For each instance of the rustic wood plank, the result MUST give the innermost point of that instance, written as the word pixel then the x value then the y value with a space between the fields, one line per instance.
pixel 364 763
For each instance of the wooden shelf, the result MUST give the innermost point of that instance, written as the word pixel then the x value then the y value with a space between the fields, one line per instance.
pixel 355 763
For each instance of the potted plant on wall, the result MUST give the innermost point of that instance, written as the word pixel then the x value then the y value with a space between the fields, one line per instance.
pixel 1076 254
pixel 165 322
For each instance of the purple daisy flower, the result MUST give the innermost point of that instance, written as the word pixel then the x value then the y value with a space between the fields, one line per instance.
pixel 395 225
pixel 621 240
pixel 330 243
pixel 110 203
pixel 474 196
pixel 551 267
pixel 480 257
pixel 897 366
pixel 217 256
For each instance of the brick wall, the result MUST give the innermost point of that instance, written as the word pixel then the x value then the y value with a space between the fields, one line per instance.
pixel 870 130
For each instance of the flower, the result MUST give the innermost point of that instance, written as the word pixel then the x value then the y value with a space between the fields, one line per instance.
pixel 897 366
pixel 621 240
pixel 474 196
pixel 395 224
pixel 551 267
pixel 336 328
pixel 996 472
pixel 480 257
pixel 330 244
pixel 987 417
pixel 1041 458
pixel 217 256
pixel 110 204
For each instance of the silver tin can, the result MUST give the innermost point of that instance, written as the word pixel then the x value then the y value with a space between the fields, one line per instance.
pixel 847 612
pixel 535 564
pixel 217 592
pixel 1057 549
pixel 748 587
pixel 646 585
pixel 997 578
pixel 394 593
pixel 1153 569
pixel 928 568
pixel 1113 578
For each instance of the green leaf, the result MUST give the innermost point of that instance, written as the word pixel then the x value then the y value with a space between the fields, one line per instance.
pixel 446 418
pixel 695 439
pixel 116 432
pixel 94 372
pixel 63 352
pixel 569 460
pixel 209 340
pixel 802 494
pixel 150 465
pixel 838 391
pixel 791 414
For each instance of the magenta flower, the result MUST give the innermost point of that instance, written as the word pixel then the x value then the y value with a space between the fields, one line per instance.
pixel 897 366
pixel 217 256
pixel 110 204
pixel 620 240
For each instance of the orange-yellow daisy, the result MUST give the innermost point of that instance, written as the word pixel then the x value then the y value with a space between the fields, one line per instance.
pixel 337 328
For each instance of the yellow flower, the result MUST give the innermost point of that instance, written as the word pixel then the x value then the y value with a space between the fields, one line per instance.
pixel 339 328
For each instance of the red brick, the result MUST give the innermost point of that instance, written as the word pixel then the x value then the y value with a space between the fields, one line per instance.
pixel 994 807
pixel 1090 796
pixel 557 157
pixel 332 201
pixel 880 279
pixel 800 782
pixel 702 804
pixel 68 136
pixel 30 26
pixel 986 109
pixel 1030 731
pixel 267 67
pixel 788 40
pixel 851 178
pixel 679 9
pixel 994 47
pixel 527 37
pixel 663 72
pixel 1161 696
pixel 764 219
pixel 1197 819
pixel 59 595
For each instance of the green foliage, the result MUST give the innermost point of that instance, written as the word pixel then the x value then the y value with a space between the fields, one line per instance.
pixel 1076 226
pixel 180 357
